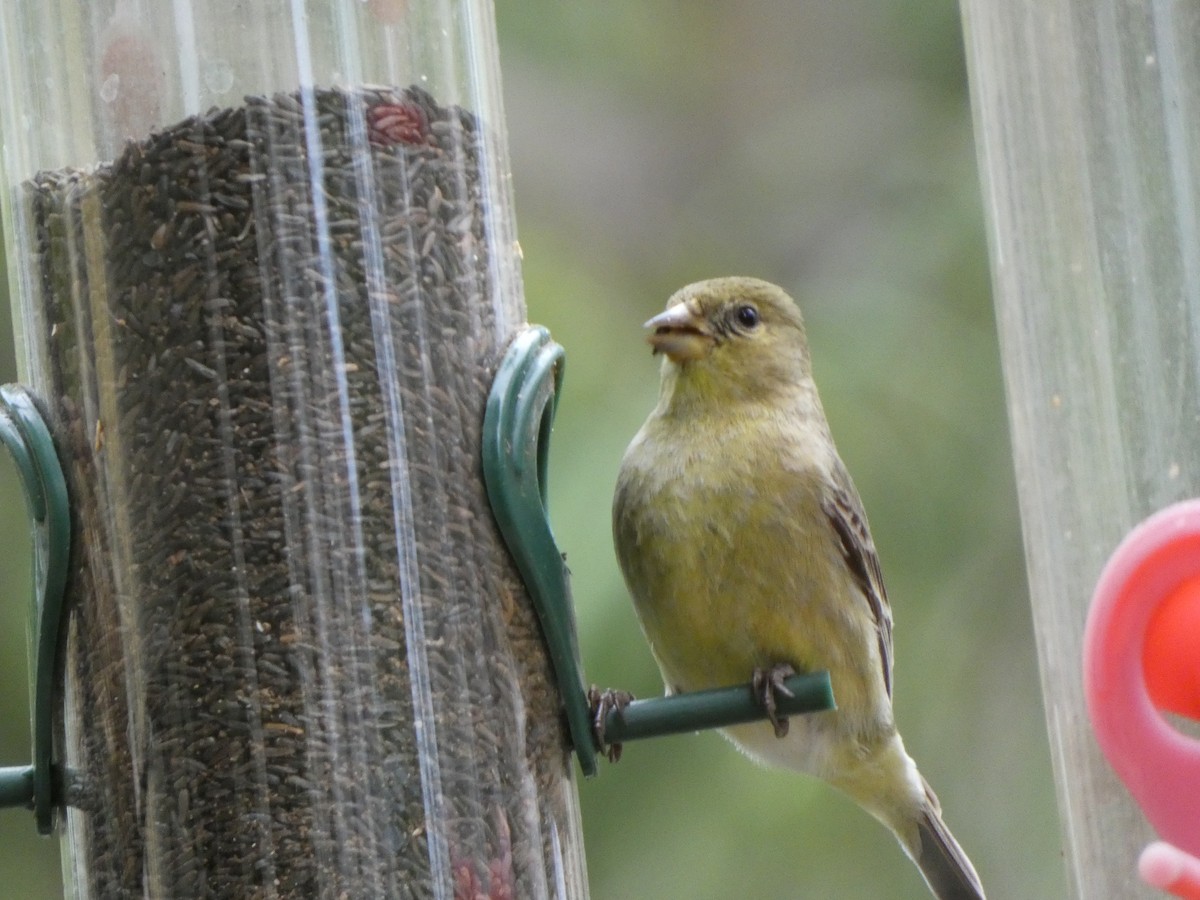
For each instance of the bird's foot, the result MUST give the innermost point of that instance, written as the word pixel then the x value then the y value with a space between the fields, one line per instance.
pixel 601 703
pixel 767 685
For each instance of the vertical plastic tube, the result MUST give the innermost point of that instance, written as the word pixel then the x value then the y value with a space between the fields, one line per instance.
pixel 1088 120
pixel 264 266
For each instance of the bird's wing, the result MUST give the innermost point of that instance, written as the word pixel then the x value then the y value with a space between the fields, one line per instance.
pixel 845 513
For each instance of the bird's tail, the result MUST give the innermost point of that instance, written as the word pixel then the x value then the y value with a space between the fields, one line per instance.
pixel 888 786
pixel 945 866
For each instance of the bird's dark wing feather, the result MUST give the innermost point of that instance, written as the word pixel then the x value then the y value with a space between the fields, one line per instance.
pixel 845 513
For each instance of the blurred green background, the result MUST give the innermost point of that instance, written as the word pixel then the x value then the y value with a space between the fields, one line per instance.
pixel 825 146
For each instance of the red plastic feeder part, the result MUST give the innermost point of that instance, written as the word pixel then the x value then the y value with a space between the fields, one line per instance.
pixel 1141 657
pixel 1171 655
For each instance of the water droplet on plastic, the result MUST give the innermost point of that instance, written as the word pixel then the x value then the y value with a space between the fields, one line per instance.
pixel 218 75
pixel 110 88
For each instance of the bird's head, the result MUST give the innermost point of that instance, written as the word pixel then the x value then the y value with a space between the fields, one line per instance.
pixel 736 335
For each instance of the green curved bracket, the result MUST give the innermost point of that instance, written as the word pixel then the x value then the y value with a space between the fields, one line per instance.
pixel 516 446
pixel 24 432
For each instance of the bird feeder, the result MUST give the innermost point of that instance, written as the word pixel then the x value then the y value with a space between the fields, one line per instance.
pixel 264 267
pixel 1086 117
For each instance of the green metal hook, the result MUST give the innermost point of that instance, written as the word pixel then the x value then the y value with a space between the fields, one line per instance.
pixel 516 446
pixel 24 432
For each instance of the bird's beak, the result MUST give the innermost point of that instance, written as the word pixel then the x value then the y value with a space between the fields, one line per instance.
pixel 680 333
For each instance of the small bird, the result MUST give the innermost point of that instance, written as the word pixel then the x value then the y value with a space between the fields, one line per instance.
pixel 746 549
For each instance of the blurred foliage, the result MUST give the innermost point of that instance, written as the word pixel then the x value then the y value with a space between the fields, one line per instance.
pixel 825 146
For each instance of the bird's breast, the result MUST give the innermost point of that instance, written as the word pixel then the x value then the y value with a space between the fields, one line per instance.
pixel 726 553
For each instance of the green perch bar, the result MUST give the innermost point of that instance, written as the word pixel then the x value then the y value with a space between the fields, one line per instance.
pixel 16 786
pixel 716 708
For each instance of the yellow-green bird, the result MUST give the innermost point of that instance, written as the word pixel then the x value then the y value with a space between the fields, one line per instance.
pixel 747 552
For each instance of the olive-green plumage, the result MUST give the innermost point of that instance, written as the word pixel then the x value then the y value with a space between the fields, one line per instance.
pixel 745 546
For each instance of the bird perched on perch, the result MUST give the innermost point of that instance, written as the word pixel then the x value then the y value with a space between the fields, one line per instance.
pixel 747 552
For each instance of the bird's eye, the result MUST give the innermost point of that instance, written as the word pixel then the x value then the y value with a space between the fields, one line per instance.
pixel 747 316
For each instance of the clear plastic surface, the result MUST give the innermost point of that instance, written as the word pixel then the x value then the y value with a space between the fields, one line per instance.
pixel 264 266
pixel 1087 120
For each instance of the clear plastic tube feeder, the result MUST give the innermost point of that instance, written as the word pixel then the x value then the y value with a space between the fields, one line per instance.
pixel 1087 119
pixel 263 264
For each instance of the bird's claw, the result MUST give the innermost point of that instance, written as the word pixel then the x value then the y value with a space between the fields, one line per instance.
pixel 601 703
pixel 767 685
